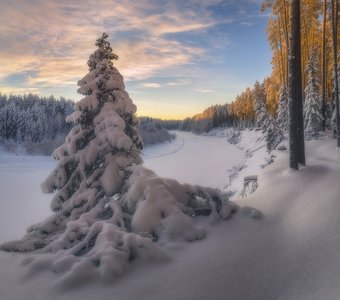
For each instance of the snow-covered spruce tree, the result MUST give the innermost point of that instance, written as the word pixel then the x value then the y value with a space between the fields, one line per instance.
pixel 108 208
pixel 272 133
pixel 334 117
pixel 312 105
pixel 259 105
pixel 282 110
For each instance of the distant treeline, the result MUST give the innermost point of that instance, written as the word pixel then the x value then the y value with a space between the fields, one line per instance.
pixel 30 118
pixel 214 116
pixel 34 121
pixel 154 131
pixel 37 125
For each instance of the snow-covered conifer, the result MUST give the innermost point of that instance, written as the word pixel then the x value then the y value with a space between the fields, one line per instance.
pixel 334 113
pixel 312 106
pixel 282 110
pixel 11 120
pixel 259 105
pixel 108 208
pixel 273 133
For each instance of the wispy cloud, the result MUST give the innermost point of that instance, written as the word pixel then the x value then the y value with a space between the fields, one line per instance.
pixel 179 82
pixel 152 85
pixel 203 90
pixel 18 90
pixel 247 23
pixel 54 38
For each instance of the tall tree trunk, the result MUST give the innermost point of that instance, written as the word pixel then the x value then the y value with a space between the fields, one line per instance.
pixel 296 131
pixel 305 53
pixel 335 67
pixel 281 63
pixel 324 70
pixel 286 35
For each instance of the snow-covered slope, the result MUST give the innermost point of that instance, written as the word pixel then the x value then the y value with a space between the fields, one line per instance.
pixel 291 253
pixel 255 156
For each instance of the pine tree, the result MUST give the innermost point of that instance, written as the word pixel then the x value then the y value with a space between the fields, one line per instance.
pixel 334 117
pixel 282 110
pixel 273 134
pixel 38 126
pixel 259 106
pixel 3 120
pixel 11 120
pixel 312 108
pixel 108 208
pixel 334 18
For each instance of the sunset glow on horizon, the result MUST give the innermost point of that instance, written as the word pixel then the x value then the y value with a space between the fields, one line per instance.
pixel 177 57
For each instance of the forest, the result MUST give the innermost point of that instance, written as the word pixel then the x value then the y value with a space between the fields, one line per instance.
pixel 318 42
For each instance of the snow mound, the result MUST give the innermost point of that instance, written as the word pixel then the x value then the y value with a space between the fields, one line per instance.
pixel 102 240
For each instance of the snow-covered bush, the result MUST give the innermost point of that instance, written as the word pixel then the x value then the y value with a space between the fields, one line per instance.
pixel 235 136
pixel 153 134
pixel 109 209
pixel 43 148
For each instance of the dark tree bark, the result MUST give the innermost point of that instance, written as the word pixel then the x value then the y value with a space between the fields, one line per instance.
pixel 296 130
pixel 334 11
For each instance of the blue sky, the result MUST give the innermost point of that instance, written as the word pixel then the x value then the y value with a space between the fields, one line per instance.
pixel 177 57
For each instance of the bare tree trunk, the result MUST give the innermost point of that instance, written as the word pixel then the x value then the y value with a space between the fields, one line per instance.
pixel 335 68
pixel 324 71
pixel 282 68
pixel 286 35
pixel 305 53
pixel 296 130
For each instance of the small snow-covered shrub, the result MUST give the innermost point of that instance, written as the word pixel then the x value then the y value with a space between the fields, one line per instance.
pixel 10 146
pixel 43 148
pixel 235 136
pixel 154 134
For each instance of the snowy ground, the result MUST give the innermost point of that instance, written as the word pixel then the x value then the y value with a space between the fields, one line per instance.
pixel 291 253
pixel 21 200
pixel 194 159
